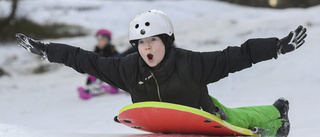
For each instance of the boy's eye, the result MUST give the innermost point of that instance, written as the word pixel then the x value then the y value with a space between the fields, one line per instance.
pixel 140 42
pixel 153 39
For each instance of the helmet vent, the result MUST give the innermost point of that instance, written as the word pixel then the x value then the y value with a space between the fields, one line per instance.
pixel 147 24
pixel 137 26
pixel 142 32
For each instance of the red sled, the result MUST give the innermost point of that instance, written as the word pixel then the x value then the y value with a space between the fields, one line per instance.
pixel 168 118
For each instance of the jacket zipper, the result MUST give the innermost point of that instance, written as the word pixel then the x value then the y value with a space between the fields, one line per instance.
pixel 158 89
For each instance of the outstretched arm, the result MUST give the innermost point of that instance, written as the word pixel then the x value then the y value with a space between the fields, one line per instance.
pixel 217 65
pixel 106 69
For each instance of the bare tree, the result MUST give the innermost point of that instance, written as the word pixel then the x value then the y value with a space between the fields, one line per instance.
pixel 6 21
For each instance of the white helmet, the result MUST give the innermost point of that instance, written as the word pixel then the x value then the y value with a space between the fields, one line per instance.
pixel 149 23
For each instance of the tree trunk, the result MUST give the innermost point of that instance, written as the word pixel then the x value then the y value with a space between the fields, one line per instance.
pixel 6 21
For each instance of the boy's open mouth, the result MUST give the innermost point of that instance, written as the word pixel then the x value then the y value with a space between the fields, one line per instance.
pixel 150 57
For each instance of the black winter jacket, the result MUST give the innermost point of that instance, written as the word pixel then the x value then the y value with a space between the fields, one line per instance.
pixel 181 78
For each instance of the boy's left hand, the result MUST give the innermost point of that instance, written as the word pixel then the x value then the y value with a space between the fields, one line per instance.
pixel 293 41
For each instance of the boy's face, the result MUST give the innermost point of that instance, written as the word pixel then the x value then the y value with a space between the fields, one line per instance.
pixel 152 50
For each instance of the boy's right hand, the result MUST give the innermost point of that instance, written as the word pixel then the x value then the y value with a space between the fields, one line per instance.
pixel 32 45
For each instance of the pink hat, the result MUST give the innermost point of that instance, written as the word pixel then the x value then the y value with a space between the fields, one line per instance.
pixel 104 32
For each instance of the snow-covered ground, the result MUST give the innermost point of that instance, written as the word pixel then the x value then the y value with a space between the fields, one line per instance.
pixel 48 104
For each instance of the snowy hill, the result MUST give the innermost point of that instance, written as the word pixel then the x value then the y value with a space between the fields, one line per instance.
pixel 32 104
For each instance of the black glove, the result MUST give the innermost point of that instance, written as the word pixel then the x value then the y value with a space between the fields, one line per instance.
pixel 293 41
pixel 32 45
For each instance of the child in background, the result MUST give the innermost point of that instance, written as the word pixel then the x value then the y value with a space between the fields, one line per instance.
pixel 95 86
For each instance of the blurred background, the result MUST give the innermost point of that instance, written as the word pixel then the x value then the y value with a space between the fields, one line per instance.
pixel 279 4
pixel 11 23
pixel 38 96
